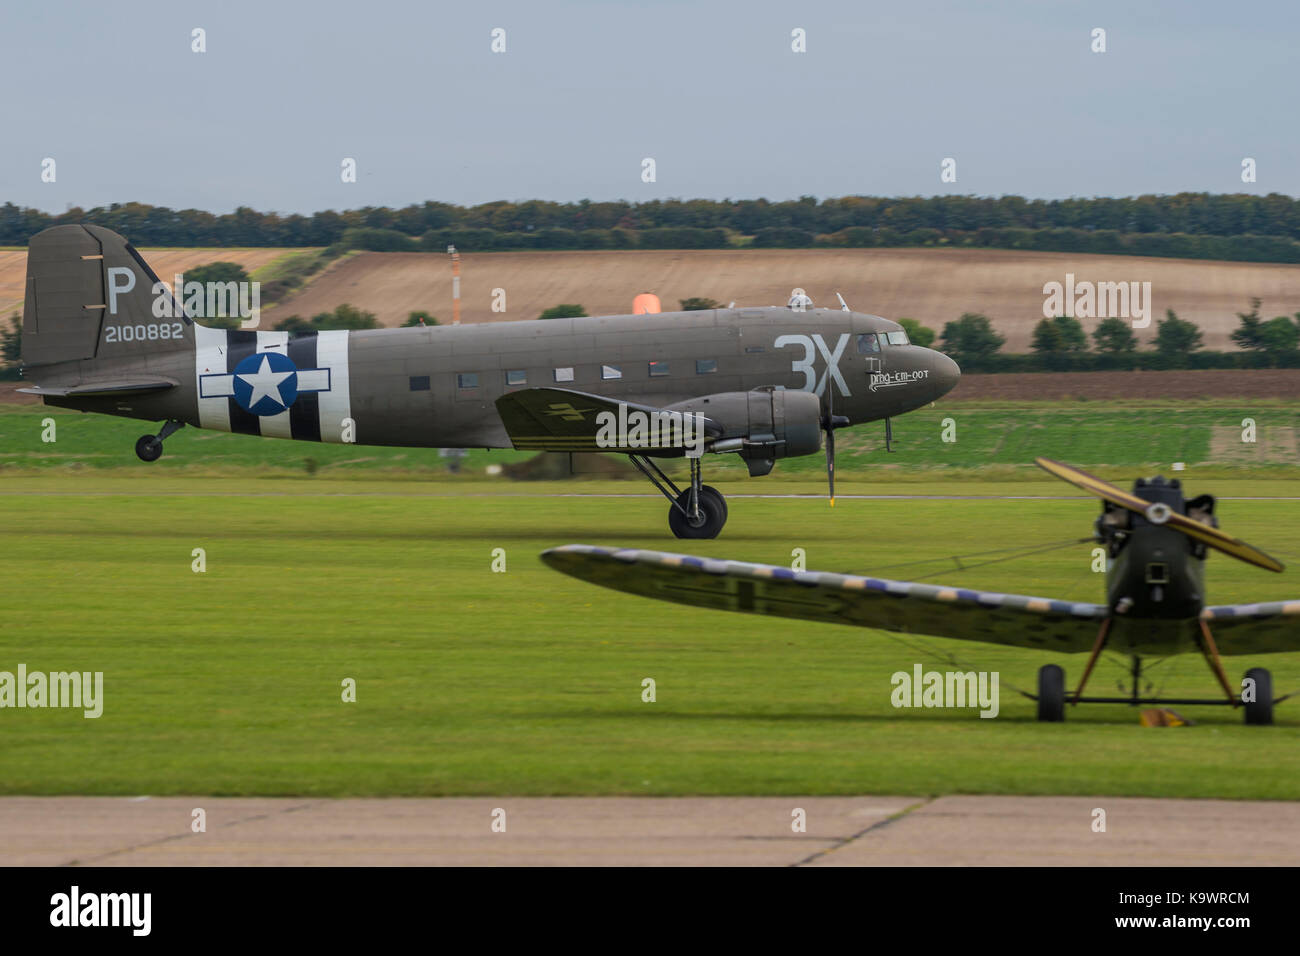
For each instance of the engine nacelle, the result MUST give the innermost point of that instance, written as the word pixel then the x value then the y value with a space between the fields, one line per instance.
pixel 762 425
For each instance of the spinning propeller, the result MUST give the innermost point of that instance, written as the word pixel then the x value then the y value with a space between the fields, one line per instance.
pixel 830 422
pixel 1159 513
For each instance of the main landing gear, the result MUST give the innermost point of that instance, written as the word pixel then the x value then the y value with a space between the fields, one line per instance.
pixel 699 511
pixel 1258 710
pixel 150 447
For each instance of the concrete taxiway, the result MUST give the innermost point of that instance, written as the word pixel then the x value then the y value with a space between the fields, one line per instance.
pixel 660 831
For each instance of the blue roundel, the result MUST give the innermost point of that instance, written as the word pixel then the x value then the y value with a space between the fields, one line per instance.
pixel 266 383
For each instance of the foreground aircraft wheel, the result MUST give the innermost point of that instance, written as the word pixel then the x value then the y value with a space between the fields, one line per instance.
pixel 148 447
pixel 1260 711
pixel 1051 694
pixel 713 515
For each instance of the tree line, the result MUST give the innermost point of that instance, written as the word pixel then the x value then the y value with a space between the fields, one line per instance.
pixel 1061 343
pixel 1191 225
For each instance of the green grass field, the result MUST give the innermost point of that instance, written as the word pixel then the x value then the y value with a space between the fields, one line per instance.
pixel 529 682
pixel 996 441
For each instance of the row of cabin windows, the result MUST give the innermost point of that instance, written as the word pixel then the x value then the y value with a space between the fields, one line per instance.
pixel 868 343
pixel 518 377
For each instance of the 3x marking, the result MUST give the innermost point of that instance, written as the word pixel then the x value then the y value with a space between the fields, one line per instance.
pixel 811 346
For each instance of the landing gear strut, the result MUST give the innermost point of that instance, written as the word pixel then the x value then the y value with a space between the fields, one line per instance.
pixel 150 447
pixel 1052 698
pixel 699 511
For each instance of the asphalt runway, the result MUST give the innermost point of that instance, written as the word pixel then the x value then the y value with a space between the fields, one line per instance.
pixel 654 831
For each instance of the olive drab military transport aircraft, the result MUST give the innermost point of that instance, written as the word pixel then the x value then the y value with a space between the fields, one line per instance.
pixel 1156 542
pixel 101 333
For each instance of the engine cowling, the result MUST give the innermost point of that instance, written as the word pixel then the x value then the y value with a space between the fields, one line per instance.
pixel 762 425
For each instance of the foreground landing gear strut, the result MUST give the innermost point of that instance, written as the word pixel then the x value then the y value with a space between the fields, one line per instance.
pixel 150 447
pixel 699 511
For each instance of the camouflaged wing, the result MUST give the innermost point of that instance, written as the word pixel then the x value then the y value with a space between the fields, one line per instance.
pixel 900 606
pixel 1255 628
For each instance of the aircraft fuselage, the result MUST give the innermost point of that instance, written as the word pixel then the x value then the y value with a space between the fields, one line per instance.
pixel 435 386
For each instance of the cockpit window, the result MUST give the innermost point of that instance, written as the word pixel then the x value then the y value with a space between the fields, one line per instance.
pixel 868 343
pixel 898 338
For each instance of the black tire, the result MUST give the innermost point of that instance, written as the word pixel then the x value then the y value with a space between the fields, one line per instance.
pixel 714 491
pixel 1051 694
pixel 1260 711
pixel 148 448
pixel 713 515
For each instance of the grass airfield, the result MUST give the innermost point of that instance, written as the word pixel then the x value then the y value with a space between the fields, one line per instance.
pixel 528 682
pixel 992 441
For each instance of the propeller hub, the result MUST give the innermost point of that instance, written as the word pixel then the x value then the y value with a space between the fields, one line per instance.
pixel 1158 512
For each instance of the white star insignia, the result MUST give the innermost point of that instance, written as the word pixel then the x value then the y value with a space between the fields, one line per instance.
pixel 266 384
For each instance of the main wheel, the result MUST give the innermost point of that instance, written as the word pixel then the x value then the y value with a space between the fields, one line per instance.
pixel 148 447
pixel 1260 710
pixel 714 491
pixel 1051 694
pixel 712 516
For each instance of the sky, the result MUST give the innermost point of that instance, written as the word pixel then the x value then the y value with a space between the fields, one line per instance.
pixel 586 91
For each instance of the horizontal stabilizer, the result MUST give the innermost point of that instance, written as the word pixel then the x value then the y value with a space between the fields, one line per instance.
pixel 561 419
pixel 91 389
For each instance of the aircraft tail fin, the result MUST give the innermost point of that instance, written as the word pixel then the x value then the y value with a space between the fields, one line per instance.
pixel 91 296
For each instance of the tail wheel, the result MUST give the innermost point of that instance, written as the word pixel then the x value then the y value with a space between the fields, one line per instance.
pixel 148 447
pixel 712 515
pixel 1260 710
pixel 1051 694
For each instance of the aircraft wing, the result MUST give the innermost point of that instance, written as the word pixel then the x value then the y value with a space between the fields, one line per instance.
pixel 1255 628
pixel 91 389
pixel 562 419
pixel 900 606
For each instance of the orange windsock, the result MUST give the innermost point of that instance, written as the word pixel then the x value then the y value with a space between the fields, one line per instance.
pixel 646 302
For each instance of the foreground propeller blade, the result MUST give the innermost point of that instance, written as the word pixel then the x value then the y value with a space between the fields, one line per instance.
pixel 1091 483
pixel 1160 514
pixel 1234 547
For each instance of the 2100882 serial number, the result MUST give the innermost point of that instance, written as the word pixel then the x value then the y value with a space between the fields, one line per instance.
pixel 143 333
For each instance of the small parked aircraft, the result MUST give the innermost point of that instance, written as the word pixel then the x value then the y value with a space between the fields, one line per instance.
pixel 1155 597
